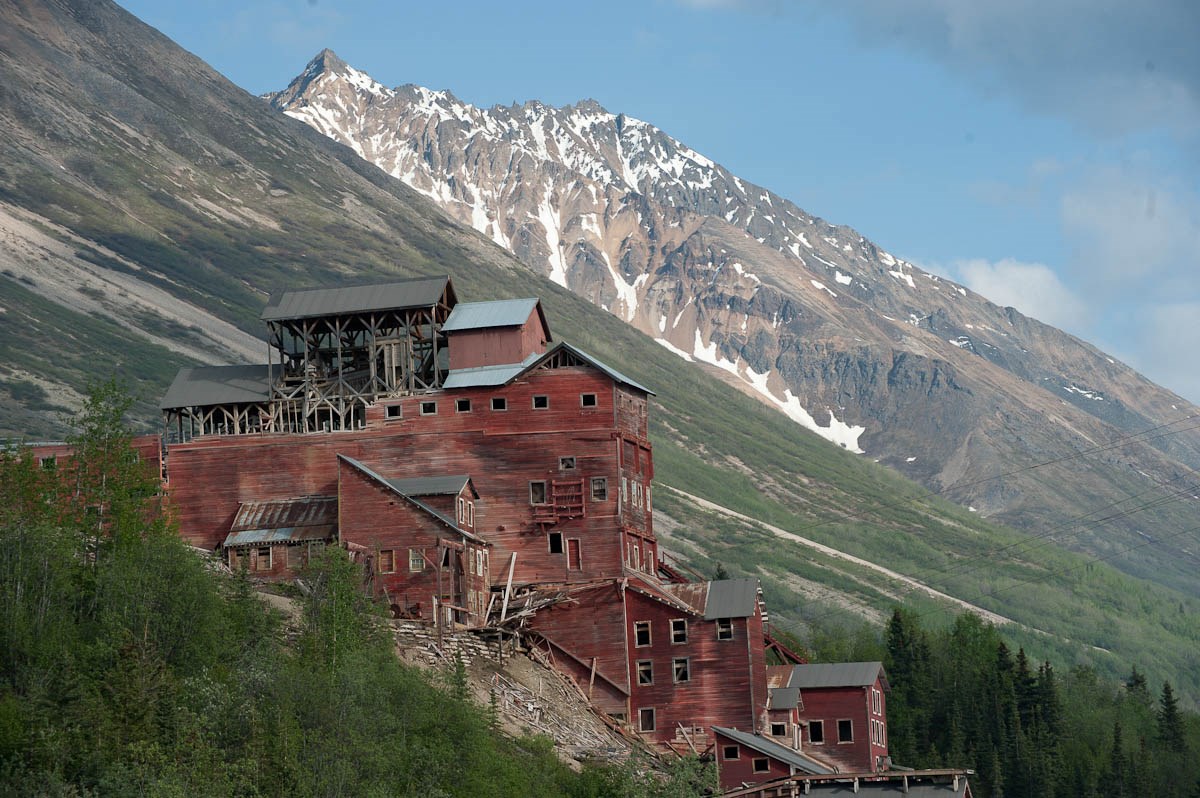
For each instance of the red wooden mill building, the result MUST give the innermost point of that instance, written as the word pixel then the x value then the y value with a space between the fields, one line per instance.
pixel 478 467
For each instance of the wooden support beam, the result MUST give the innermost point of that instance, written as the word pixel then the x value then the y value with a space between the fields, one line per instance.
pixel 512 563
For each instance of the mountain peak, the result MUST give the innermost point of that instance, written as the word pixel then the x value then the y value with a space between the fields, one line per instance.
pixel 326 61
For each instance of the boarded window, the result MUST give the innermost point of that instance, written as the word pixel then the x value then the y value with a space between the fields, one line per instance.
pixel 574 555
pixel 462 405
pixel 646 719
pixel 541 402
pixel 679 630
pixel 499 403
pixel 762 765
pixel 416 560
pixel 587 399
pixel 641 633
pixel 730 752
pixel 387 561
pixel 556 543
pixel 816 732
pixel 845 731
pixel 724 628
pixel 429 408
pixel 599 489
pixel 680 670
pixel 645 671
pixel 263 562
pixel 537 492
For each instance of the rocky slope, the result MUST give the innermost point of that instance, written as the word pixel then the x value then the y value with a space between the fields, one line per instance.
pixel 860 347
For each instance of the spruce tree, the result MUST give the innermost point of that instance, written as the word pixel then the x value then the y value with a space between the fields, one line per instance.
pixel 1170 722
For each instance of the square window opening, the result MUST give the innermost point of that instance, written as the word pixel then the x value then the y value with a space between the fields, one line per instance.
pixel 679 630
pixel 462 405
pixel 394 411
pixel 429 408
pixel 566 463
pixel 499 403
pixel 641 633
pixel 556 543
pixel 762 765
pixel 587 399
pixel 778 729
pixel 541 402
pixel 729 752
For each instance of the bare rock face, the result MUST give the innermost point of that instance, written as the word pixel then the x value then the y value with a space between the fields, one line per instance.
pixel 858 346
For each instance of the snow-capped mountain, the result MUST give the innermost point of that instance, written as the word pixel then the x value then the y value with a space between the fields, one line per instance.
pixel 853 343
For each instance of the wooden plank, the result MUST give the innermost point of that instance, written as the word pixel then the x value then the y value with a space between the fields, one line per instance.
pixel 512 564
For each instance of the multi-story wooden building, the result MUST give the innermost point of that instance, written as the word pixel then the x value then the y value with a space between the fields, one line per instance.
pixel 462 455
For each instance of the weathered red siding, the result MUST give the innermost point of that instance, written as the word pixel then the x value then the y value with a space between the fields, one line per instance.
pixel 497 345
pixel 733 772
pixel 832 704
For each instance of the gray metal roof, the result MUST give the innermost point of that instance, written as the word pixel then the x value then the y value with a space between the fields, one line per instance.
pixel 836 674
pixel 609 370
pixel 499 313
pixel 445 520
pixel 788 756
pixel 266 537
pixel 421 292
pixel 201 386
pixel 915 788
pixel 487 376
pixel 731 598
pixel 783 697
pixel 261 523
pixel 430 486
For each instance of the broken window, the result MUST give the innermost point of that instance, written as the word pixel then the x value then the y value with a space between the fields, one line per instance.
pixel 587 399
pixel 445 558
pixel 816 732
pixel 845 731
pixel 646 719
pixel 724 628
pixel 462 405
pixel 645 671
pixel 641 633
pixel 556 543
pixel 679 667
pixel 387 561
pixel 429 408
pixel 778 729
pixel 499 403
pixel 679 630
pixel 541 402
pixel 566 463
pixel 537 492
pixel 416 560
pixel 393 412
pixel 599 489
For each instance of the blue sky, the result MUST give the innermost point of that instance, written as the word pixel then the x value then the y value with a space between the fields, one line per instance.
pixel 1044 152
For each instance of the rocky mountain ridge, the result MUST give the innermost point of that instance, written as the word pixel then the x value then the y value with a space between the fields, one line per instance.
pixel 861 347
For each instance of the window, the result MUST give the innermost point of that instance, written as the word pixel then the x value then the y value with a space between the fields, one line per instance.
pixel 599 489
pixel 646 719
pixel 537 492
pixel 724 628
pixel 48 463
pixel 416 560
pixel 816 732
pixel 429 408
pixel 470 513
pixel 645 671
pixel 462 405
pixel 445 558
pixel 574 555
pixel 587 399
pixel 641 633
pixel 499 403
pixel 394 411
pixel 845 731
pixel 462 509
pixel 264 559
pixel 556 542
pixel 730 752
pixel 541 402
pixel 566 463
pixel 679 668
pixel 387 561
pixel 779 730
pixel 679 630
pixel 762 764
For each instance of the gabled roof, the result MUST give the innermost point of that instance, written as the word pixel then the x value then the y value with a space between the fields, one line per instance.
pixel 837 674
pixel 201 386
pixel 443 519
pixel 283 521
pixel 420 292
pixel 433 486
pixel 484 376
pixel 788 756
pixel 731 598
pixel 498 313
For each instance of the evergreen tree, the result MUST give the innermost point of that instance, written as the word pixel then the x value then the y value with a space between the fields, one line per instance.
pixel 1116 774
pixel 1136 687
pixel 1170 722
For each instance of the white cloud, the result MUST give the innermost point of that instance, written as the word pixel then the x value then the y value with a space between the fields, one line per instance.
pixel 1168 347
pixel 1032 288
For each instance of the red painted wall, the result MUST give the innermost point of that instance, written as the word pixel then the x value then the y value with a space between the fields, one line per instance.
pixel 497 345
pixel 734 772
pixel 832 704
